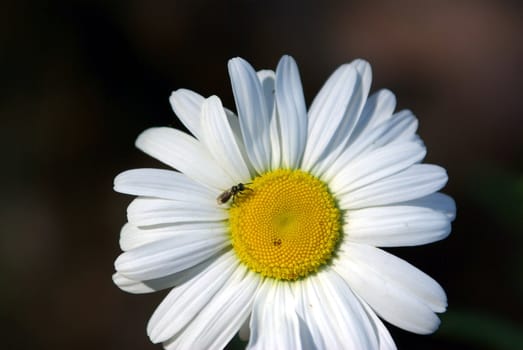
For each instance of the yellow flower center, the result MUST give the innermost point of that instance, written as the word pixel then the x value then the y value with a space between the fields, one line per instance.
pixel 285 224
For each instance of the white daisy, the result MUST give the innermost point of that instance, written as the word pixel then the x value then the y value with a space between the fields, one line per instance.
pixel 288 257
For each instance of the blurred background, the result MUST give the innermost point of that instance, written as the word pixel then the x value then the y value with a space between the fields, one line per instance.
pixel 81 79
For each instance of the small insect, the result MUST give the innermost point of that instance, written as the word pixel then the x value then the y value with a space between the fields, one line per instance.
pixel 225 196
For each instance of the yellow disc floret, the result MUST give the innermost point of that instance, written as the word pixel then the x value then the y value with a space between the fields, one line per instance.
pixel 285 224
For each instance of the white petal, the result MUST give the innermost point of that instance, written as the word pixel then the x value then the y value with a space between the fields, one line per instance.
pixel 356 319
pixel 139 287
pixel 374 166
pixel 436 201
pixel 394 226
pixel 274 322
pixel 168 256
pixel 338 115
pixel 132 236
pixel 187 105
pixel 378 109
pixel 393 130
pixel 334 316
pixel 162 183
pixel 365 73
pixel 292 112
pixel 384 338
pixel 221 319
pixel 396 290
pixel 220 141
pixel 267 79
pixel 184 153
pixel 252 110
pixel 407 133
pixel 327 111
pixel 310 309
pixel 417 181
pixel 183 303
pixel 145 211
pixel 133 286
pixel 237 131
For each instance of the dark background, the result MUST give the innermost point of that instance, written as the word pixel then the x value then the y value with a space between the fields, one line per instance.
pixel 81 79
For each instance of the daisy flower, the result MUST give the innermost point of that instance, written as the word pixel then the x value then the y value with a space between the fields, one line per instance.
pixel 270 224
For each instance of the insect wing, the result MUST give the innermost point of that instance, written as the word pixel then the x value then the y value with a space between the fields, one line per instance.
pixel 224 197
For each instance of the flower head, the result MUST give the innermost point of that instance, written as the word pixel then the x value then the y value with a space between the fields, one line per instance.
pixel 271 223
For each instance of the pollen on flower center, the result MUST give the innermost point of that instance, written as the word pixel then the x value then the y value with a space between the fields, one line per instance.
pixel 285 225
